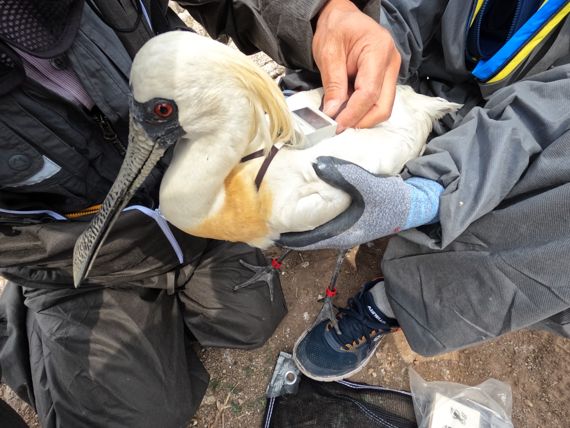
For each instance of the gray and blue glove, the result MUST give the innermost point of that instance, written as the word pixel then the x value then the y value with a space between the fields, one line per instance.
pixel 381 206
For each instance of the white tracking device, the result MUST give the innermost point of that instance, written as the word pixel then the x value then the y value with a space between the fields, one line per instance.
pixel 313 124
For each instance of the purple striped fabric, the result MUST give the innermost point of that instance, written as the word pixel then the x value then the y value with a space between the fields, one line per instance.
pixel 63 82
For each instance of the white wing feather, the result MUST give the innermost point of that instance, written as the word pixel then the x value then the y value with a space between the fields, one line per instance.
pixel 304 201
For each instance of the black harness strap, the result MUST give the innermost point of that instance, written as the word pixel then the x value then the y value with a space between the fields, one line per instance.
pixel 253 155
pixel 264 165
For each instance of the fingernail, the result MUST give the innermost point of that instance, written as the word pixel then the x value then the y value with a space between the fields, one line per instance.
pixel 331 107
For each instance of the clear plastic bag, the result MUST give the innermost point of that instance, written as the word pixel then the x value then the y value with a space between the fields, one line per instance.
pixel 452 405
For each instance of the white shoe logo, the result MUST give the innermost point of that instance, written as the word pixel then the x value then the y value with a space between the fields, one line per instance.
pixel 375 315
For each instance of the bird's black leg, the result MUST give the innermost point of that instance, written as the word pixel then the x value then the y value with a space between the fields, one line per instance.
pixel 328 311
pixel 262 273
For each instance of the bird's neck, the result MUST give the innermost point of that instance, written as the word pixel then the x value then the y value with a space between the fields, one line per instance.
pixel 195 177
pixel 259 138
pixel 199 190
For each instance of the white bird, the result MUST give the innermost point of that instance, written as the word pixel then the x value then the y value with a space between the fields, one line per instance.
pixel 216 106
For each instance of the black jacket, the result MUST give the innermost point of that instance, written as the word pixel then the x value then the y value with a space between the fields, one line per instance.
pixel 80 152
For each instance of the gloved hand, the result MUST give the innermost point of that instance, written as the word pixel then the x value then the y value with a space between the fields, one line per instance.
pixel 381 206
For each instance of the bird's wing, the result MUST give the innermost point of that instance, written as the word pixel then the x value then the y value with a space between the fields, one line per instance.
pixel 300 200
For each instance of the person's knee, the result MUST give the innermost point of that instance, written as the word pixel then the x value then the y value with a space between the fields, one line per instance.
pixel 262 328
pixel 264 313
pixel 258 337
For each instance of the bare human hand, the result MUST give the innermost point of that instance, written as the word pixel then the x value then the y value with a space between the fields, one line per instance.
pixel 358 62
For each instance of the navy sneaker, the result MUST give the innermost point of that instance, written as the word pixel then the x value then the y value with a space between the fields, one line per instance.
pixel 324 355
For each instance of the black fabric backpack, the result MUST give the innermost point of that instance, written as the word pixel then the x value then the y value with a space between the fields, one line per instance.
pixel 55 155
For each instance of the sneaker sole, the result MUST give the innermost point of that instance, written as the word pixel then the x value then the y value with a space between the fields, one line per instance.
pixel 333 377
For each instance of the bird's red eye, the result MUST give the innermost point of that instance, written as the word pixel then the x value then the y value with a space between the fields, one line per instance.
pixel 163 110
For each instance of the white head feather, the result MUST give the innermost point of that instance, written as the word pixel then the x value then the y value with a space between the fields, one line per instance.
pixel 183 66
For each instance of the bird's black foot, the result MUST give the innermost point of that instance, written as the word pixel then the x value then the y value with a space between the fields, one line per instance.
pixel 260 274
pixel 328 312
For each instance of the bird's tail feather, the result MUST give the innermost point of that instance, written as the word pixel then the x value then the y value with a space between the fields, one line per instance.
pixel 436 107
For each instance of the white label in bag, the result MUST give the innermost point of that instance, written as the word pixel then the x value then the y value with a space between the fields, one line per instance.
pixel 448 413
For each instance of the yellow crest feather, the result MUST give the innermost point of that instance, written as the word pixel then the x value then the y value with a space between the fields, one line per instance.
pixel 265 93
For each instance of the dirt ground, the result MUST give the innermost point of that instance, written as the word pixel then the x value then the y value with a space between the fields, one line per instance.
pixel 534 364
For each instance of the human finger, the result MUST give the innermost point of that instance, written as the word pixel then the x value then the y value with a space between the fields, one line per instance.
pixel 367 88
pixel 382 109
pixel 331 61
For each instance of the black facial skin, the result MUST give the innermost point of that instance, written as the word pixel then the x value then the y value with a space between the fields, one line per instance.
pixel 161 129
pixel 159 119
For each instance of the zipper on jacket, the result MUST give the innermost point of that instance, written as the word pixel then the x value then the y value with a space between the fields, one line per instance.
pixel 87 211
pixel 109 134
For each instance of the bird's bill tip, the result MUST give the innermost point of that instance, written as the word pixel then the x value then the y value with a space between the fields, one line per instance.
pixel 137 165
pixel 80 268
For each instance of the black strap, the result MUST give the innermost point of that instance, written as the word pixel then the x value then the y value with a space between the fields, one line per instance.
pixel 253 155
pixel 113 14
pixel 264 166
pixel 158 16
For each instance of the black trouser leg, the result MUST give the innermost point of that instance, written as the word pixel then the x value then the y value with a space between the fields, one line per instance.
pixel 102 357
pixel 219 316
